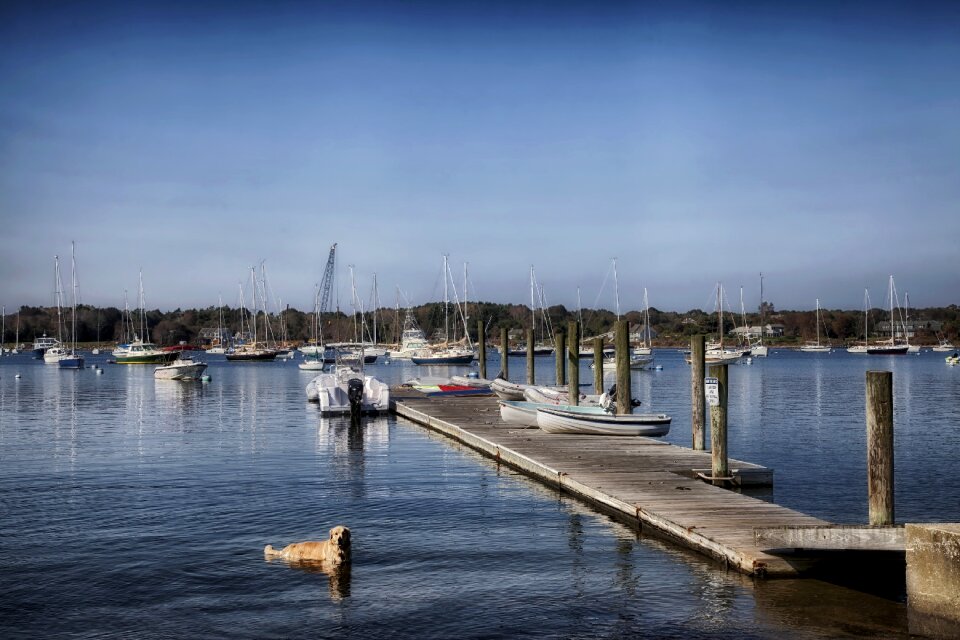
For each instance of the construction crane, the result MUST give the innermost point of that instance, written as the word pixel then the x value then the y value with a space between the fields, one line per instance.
pixel 326 284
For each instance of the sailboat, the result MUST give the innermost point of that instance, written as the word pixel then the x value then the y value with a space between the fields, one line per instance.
pixel 219 348
pixel 715 352
pixel 646 348
pixel 252 351
pixel 16 343
pixel 53 354
pixel 816 347
pixel 862 348
pixel 911 348
pixel 141 351
pixel 447 353
pixel 72 359
pixel 889 347
pixel 758 348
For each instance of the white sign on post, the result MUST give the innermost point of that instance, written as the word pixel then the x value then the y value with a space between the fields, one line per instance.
pixel 711 387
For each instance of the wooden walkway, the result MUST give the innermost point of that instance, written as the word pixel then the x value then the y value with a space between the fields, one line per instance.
pixel 644 481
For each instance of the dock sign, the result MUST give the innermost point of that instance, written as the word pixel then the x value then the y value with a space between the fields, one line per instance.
pixel 712 390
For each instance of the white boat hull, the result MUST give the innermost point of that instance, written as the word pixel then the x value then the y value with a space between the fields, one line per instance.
pixel 522 414
pixel 507 390
pixel 590 421
pixel 330 390
pixel 180 370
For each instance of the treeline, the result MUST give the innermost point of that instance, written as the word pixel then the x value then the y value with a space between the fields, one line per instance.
pixel 107 324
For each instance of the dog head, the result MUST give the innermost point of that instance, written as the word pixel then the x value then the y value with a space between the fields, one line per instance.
pixel 340 539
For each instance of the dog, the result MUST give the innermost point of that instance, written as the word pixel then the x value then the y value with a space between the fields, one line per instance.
pixel 332 552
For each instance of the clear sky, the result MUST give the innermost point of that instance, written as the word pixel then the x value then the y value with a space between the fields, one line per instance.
pixel 694 142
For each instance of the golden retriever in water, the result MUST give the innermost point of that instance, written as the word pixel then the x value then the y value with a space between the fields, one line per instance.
pixel 334 551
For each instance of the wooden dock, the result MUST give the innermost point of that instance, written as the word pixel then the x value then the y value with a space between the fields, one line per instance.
pixel 642 481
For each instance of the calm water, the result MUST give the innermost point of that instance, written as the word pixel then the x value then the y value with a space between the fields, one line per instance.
pixel 135 507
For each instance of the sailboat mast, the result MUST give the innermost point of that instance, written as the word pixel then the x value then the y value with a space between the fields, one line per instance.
pixel 533 303
pixel 73 310
pixel 376 305
pixel 761 310
pixel 143 312
pixel 59 296
pixel 720 315
pixel 648 341
pixel 616 288
pixel 446 302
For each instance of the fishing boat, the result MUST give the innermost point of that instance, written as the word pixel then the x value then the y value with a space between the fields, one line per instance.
pixel 346 390
pixel 816 347
pixel 412 339
pixel 140 352
pixel 72 359
pixel 218 348
pixel 444 356
pixel 41 344
pixel 183 368
pixel 889 347
pixel 944 344
pixel 597 421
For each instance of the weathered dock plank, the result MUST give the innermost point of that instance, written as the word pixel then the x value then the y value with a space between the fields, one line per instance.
pixel 639 480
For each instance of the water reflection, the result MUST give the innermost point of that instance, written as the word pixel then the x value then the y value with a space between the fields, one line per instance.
pixel 338 576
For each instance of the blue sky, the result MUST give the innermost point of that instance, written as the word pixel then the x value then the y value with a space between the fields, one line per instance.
pixel 693 142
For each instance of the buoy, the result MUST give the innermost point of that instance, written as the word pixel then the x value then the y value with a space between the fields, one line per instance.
pixel 204 378
pixel 99 372
pixel 17 376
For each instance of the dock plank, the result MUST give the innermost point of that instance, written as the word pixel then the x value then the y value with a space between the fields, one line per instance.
pixel 640 480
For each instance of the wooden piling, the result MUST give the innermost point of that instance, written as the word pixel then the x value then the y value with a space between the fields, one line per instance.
pixel 718 427
pixel 482 346
pixel 504 357
pixel 558 350
pixel 622 346
pixel 531 372
pixel 697 364
pixel 573 363
pixel 880 447
pixel 598 365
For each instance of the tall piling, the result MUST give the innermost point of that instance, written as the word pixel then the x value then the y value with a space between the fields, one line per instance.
pixel 558 351
pixel 718 426
pixel 482 346
pixel 573 363
pixel 880 447
pixel 504 357
pixel 622 346
pixel 697 409
pixel 598 365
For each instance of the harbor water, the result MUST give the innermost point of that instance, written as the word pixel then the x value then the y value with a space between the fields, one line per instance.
pixel 134 507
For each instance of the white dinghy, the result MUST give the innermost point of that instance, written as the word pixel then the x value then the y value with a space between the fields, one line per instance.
pixel 597 421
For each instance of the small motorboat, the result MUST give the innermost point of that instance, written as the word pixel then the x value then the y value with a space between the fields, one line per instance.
pixel 953 359
pixel 597 421
pixel 347 391
pixel 183 368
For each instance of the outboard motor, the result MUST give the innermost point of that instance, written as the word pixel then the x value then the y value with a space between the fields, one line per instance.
pixel 355 396
pixel 608 400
